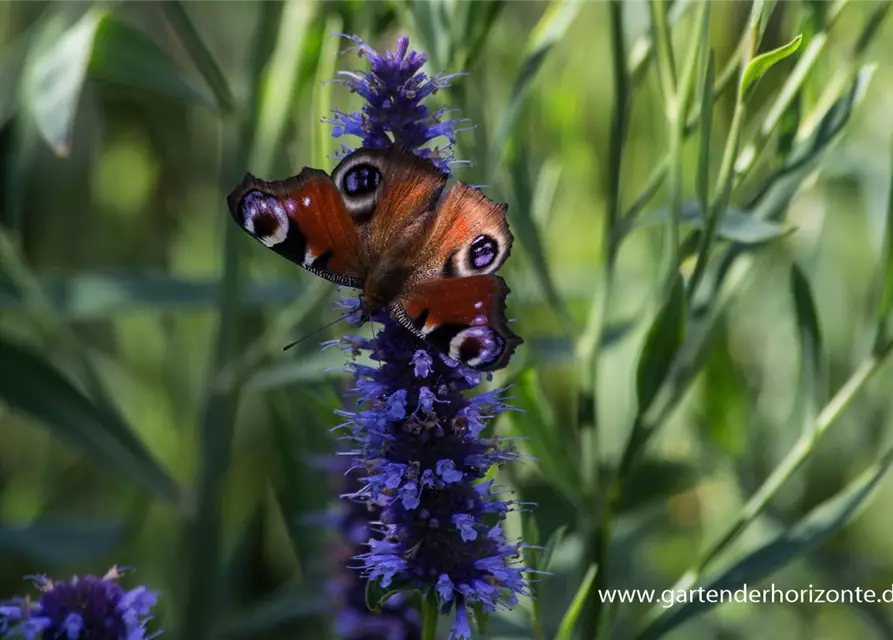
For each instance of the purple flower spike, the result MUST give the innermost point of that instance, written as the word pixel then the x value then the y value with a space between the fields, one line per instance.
pixel 394 89
pixel 415 439
pixel 81 608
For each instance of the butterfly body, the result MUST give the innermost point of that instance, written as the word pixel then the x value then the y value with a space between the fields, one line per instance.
pixel 381 223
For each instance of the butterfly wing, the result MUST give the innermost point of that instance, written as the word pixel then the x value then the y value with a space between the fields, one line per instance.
pixel 463 317
pixel 469 235
pixel 387 191
pixel 304 219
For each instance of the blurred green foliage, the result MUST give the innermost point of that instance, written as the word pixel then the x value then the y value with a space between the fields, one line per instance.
pixel 705 301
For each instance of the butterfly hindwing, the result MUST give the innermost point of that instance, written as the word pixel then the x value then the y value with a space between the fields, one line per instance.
pixel 462 317
pixel 304 219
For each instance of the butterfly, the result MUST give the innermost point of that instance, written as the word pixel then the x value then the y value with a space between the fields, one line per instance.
pixel 382 223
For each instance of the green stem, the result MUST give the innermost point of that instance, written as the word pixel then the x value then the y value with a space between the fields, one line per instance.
pixel 597 542
pixel 430 615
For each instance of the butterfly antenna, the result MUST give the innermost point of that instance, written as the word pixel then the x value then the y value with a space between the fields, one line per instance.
pixel 313 333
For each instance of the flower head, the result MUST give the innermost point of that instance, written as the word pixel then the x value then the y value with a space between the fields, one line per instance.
pixel 394 89
pixel 80 609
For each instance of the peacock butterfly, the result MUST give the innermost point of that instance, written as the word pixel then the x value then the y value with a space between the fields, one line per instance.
pixel 381 223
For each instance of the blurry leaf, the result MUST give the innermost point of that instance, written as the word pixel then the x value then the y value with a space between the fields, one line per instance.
pixel 758 67
pixel 92 296
pixel 29 384
pixel 734 225
pixel 552 544
pixel 703 175
pixel 811 362
pixel 778 190
pixel 320 366
pixel 537 423
pixel 55 75
pixel 806 535
pixel 288 605
pixel 527 232
pixel 665 336
pixel 481 618
pixel 550 29
pixel 127 56
pixel 12 61
pixel 185 29
pixel 885 301
pixel 61 541
pixel 726 422
pixel 656 480
pixel 569 621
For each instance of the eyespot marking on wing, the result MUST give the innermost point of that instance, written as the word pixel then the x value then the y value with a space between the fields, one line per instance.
pixel 264 217
pixel 476 346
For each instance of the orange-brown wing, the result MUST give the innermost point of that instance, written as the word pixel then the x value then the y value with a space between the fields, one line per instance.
pixel 463 317
pixel 408 189
pixel 469 236
pixel 304 219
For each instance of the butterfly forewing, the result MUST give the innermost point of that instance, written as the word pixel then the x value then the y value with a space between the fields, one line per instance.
pixel 305 220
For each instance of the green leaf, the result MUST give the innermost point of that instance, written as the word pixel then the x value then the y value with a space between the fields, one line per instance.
pixel 125 55
pixel 538 424
pixel 804 537
pixel 29 384
pixel 179 19
pixel 528 234
pixel 95 296
pixel 811 361
pixel 734 225
pixel 289 604
pixel 569 621
pixel 61 541
pixel 885 299
pixel 665 337
pixel 54 77
pixel 762 63
pixel 556 20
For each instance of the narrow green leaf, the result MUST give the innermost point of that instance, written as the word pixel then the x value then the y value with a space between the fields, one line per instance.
pixel 811 362
pixel 804 537
pixel 762 63
pixel 552 26
pixel 430 615
pixel 54 77
pixel 734 226
pixel 61 541
pixel 29 384
pixel 94 296
pixel 125 55
pixel 289 604
pixel 665 336
pixel 537 423
pixel 885 299
pixel 569 621
pixel 185 29
pixel 528 234
pixel 12 62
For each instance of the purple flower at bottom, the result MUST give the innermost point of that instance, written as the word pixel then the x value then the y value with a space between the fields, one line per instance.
pixel 87 608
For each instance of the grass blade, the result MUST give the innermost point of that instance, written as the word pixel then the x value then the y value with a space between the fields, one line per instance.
pixel 126 56
pixel 665 337
pixel 183 26
pixel 555 22
pixel 29 384
pixel 569 621
pixel 61 541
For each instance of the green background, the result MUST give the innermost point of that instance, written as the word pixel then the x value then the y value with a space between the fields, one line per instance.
pixel 148 417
